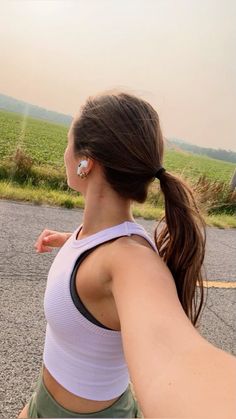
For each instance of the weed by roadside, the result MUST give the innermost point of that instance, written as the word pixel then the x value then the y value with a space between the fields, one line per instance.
pixel 21 179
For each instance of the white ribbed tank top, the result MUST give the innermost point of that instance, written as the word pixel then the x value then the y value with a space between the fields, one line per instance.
pixel 86 359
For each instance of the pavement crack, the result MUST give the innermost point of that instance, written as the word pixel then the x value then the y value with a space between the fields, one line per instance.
pixel 221 319
pixel 225 244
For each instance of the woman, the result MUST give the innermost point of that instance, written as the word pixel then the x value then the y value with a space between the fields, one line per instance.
pixel 120 307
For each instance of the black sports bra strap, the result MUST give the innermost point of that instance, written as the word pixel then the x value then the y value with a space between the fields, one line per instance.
pixel 74 294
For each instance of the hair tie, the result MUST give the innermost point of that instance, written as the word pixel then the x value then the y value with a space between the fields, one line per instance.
pixel 159 172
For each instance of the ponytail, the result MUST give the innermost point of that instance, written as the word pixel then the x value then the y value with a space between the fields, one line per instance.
pixel 181 242
pixel 122 132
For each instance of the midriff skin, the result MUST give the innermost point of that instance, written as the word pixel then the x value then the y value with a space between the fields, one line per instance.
pixel 70 401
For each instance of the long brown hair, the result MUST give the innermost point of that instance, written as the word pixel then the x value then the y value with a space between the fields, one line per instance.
pixel 122 132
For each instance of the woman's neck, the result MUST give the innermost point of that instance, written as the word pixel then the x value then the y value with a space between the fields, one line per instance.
pixel 104 208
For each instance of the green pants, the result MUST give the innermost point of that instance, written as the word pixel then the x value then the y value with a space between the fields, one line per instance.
pixel 43 405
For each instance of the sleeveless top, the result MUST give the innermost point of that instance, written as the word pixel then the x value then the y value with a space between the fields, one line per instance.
pixel 82 355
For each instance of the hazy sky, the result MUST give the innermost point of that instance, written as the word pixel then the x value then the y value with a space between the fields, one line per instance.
pixel 178 54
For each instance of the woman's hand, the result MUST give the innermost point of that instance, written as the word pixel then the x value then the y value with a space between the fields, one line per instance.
pixel 49 239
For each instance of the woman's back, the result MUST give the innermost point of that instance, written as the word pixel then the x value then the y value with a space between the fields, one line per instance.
pixel 92 283
pixel 114 152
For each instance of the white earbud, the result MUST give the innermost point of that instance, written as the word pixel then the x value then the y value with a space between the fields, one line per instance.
pixel 82 165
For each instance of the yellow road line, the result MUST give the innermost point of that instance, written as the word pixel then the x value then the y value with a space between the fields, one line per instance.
pixel 219 284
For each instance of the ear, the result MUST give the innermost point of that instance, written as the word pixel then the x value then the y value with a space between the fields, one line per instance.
pixel 85 165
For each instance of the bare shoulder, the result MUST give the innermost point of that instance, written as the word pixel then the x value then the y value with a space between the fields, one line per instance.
pixel 145 294
pixel 134 255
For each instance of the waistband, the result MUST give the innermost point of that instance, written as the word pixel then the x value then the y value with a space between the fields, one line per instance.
pixel 42 404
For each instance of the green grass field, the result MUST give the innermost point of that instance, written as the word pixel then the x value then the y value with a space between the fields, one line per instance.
pixel 45 143
pixel 193 166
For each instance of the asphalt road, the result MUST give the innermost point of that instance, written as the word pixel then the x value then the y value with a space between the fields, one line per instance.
pixel 23 275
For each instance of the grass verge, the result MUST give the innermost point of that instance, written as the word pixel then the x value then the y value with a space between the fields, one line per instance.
pixel 221 220
pixel 43 195
pixel 39 195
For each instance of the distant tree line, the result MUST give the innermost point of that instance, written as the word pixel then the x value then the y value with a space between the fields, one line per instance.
pixel 219 154
pixel 13 105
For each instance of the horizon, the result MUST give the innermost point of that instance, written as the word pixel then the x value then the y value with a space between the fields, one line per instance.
pixel 179 56
pixel 53 110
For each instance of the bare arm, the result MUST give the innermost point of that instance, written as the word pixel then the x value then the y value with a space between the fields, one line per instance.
pixel 49 239
pixel 175 371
